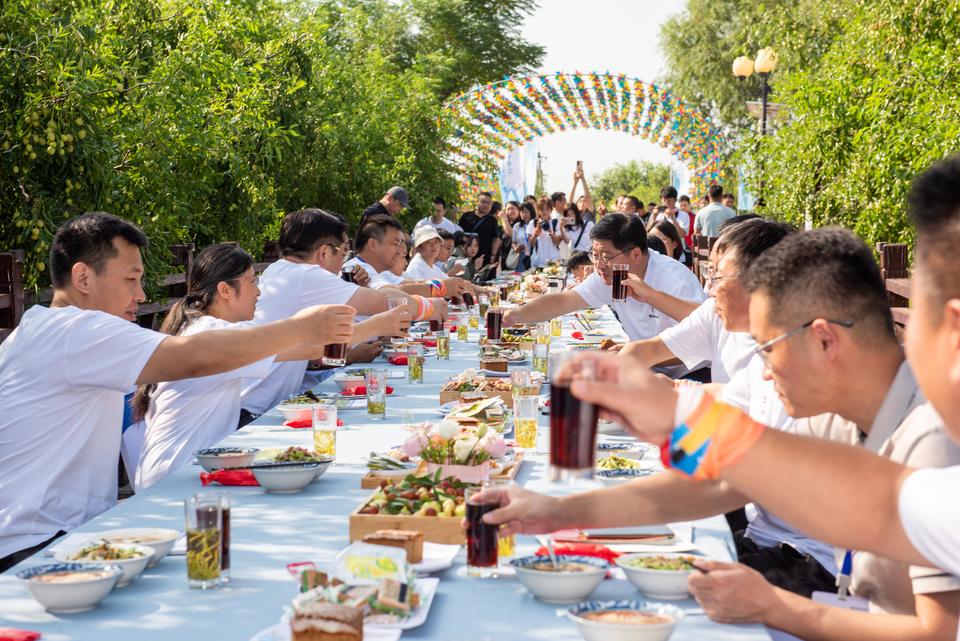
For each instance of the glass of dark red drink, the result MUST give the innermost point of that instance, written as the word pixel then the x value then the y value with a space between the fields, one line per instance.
pixel 335 354
pixel 619 275
pixel 483 539
pixel 468 299
pixel 436 325
pixel 494 323
pixel 347 276
pixel 573 428
pixel 224 500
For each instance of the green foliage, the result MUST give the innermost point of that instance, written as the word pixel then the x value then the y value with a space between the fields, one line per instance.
pixel 880 106
pixel 642 179
pixel 204 122
pixel 701 43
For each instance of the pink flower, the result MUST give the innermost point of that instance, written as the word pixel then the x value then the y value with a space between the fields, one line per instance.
pixel 414 444
pixel 493 445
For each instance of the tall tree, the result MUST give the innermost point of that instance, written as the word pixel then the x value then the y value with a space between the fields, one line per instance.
pixel 642 179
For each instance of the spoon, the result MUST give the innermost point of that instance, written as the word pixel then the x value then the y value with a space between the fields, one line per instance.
pixel 552 553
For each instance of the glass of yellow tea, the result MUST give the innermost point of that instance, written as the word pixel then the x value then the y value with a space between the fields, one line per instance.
pixel 526 412
pixel 203 523
pixel 325 429
pixel 443 345
pixel 377 394
pixel 415 363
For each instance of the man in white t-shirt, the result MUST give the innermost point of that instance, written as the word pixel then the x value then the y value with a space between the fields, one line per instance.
pixel 298 280
pixel 379 244
pixel 617 238
pixel 426 244
pixel 668 211
pixel 65 369
pixel 438 219
pixel 716 332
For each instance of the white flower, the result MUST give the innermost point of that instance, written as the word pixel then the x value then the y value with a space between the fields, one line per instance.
pixel 462 448
pixel 448 429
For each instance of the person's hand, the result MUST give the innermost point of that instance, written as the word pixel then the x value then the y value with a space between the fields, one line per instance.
pixel 455 270
pixel 393 322
pixel 364 352
pixel 732 592
pixel 478 262
pixel 522 511
pixel 440 310
pixel 630 395
pixel 360 276
pixel 537 230
pixel 578 173
pixel 325 324
pixel 617 348
pixel 601 210
pixel 638 288
pixel 509 318
pixel 456 286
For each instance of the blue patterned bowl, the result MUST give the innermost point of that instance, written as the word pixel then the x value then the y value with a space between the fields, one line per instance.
pixel 582 576
pixel 624 620
pixel 70 587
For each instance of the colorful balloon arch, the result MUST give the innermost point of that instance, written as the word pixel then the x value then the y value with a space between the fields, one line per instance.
pixel 490 121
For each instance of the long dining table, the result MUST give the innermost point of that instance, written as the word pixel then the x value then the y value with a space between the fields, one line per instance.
pixel 270 531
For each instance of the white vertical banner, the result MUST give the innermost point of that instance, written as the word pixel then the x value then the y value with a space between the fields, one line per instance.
pixel 518 173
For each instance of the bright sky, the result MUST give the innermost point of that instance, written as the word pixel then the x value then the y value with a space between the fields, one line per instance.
pixel 619 36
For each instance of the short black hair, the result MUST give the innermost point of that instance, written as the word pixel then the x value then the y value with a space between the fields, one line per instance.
pixel 751 238
pixel 88 238
pixel 375 227
pixel 823 273
pixel 443 233
pixel 485 193
pixel 715 192
pixel 668 192
pixel 578 259
pixel 302 231
pixel 735 220
pixel 651 204
pixel 656 245
pixel 934 207
pixel 684 198
pixel 439 201
pixel 636 201
pixel 623 231
pixel 557 196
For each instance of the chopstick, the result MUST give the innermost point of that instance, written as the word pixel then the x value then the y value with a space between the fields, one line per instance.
pixel 268 465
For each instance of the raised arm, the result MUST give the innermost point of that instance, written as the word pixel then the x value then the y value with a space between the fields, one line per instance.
pixel 586 192
pixel 675 308
pixel 648 352
pixel 544 308
pixel 213 352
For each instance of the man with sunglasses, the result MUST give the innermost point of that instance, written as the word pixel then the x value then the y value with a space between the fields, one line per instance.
pixel 661 288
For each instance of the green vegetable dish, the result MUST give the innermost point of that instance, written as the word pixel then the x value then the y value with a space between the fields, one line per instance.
pixel 295 455
pixel 104 551
pixel 671 563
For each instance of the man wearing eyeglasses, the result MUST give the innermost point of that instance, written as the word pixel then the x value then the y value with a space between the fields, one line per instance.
pixel 661 289
pixel 819 314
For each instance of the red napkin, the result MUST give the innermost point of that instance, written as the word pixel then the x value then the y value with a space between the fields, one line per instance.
pixel 228 477
pixel 398 360
pixel 427 342
pixel 577 335
pixel 581 549
pixel 453 329
pixel 359 390
pixel 12 634
pixel 297 423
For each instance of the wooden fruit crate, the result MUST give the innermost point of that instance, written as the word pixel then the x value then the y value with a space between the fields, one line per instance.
pixel 436 529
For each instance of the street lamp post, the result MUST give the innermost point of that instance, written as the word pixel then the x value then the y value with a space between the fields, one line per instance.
pixel 764 65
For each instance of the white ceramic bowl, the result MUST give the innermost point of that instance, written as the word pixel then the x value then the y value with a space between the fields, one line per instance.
pixel 560 587
pixel 344 381
pixel 288 479
pixel 161 540
pixel 75 596
pixel 601 631
pixel 216 458
pixel 659 584
pixel 296 411
pixel 322 467
pixel 131 567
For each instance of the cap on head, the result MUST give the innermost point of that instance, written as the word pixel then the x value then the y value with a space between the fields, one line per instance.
pixel 400 195
pixel 423 233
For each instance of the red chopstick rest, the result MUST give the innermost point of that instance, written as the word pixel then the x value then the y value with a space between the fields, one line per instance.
pixel 12 634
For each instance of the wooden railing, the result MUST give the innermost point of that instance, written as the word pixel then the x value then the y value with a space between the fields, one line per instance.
pixel 11 291
pixel 895 270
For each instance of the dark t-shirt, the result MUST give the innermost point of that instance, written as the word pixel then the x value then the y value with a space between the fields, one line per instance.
pixel 487 228
pixel 373 210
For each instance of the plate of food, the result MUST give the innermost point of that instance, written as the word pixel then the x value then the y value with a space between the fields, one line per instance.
pixel 635 620
pixel 626 449
pixel 613 466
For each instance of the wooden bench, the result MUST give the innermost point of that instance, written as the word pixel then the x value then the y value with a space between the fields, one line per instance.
pixel 150 314
pixel 702 245
pixel 895 270
pixel 11 291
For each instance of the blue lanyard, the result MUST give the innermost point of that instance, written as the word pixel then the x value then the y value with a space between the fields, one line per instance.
pixel 843 578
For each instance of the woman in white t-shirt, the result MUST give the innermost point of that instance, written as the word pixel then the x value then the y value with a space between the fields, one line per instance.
pixel 544 236
pixel 575 230
pixel 187 415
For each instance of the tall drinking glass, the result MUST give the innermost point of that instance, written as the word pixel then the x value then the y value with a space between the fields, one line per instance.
pixel 620 272
pixel 202 521
pixel 522 383
pixel 506 544
pixel 541 355
pixel 377 394
pixel 494 323
pixel 542 333
pixel 415 363
pixel 474 317
pixel 225 501
pixel 396 301
pixel 573 428
pixel 526 412
pixel 325 429
pixel 463 331
pixel 443 345
pixel 482 538
pixel 556 326
pixel 484 305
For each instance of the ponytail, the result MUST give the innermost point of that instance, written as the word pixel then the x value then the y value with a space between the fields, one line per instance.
pixel 216 264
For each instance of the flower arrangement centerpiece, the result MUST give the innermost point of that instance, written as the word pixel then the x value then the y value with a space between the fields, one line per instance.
pixel 461 451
